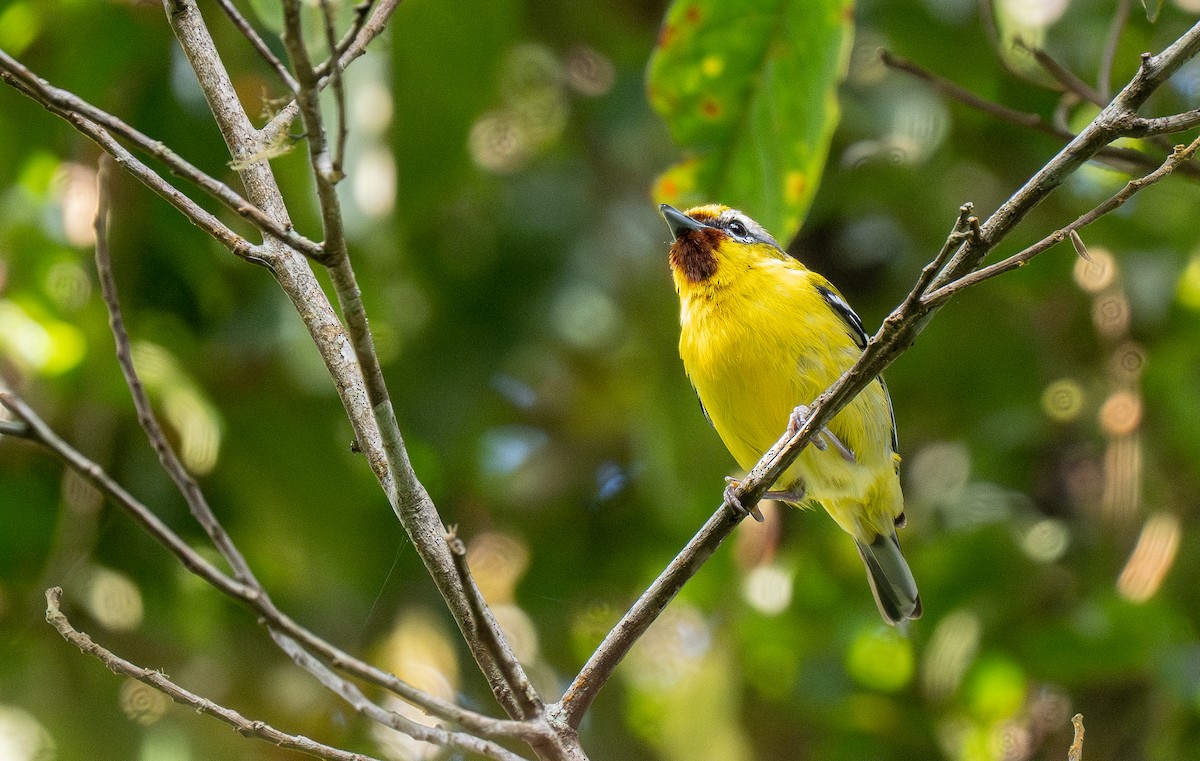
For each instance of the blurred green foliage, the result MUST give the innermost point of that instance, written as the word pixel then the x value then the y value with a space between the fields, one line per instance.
pixel 499 211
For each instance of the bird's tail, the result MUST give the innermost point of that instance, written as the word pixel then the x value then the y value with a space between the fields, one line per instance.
pixel 891 580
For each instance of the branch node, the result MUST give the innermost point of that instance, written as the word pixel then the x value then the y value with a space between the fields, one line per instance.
pixel 16 429
pixel 1076 751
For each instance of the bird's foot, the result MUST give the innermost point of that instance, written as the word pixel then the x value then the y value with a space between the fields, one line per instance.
pixel 794 495
pixel 823 439
pixel 735 504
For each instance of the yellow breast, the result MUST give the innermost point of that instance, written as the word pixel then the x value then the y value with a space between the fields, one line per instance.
pixel 757 345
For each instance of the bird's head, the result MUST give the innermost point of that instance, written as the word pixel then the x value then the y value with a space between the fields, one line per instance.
pixel 714 241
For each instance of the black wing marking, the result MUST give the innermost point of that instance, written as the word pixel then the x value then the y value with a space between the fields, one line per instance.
pixel 859 333
pixel 710 422
pixel 843 310
pixel 891 415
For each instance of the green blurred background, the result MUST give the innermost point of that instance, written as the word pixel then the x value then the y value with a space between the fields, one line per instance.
pixel 499 212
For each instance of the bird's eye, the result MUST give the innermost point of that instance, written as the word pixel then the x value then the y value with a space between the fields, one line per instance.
pixel 737 228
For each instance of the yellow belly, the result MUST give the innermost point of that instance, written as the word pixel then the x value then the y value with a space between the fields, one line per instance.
pixel 753 356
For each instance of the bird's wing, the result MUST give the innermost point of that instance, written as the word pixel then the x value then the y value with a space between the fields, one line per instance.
pixel 859 334
pixel 843 310
pixel 891 416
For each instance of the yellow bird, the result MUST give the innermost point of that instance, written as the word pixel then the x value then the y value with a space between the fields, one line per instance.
pixel 762 336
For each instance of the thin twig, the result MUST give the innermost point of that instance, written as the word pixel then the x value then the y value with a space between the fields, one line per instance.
pixel 361 704
pixel 71 107
pixel 339 92
pixel 157 680
pixel 347 361
pixel 1179 156
pixel 372 28
pixel 183 480
pixel 1151 128
pixel 616 644
pixel 1075 753
pixel 41 433
pixel 1069 81
pixel 1117 157
pixel 1109 54
pixel 1112 122
pixel 965 225
pixel 1165 125
pixel 1062 112
pixel 258 43
pixel 963 95
pixel 14 428
pixel 326 173
pixel 362 12
pixel 199 216
pixel 489 631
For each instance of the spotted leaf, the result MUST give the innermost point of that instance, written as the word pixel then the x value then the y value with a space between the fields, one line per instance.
pixel 748 89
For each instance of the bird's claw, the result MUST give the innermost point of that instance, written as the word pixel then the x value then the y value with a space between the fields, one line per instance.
pixel 795 495
pixel 735 504
pixel 842 449
pixel 823 438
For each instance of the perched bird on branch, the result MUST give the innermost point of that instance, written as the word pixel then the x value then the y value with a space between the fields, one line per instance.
pixel 761 337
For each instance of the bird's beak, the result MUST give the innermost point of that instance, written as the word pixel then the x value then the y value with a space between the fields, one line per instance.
pixel 678 221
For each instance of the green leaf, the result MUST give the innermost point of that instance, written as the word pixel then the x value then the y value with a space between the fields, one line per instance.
pixel 749 90
pixel 1153 8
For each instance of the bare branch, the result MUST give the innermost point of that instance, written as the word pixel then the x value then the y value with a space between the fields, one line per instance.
pixel 1120 18
pixel 325 170
pixel 1165 125
pixel 187 485
pixel 14 428
pixel 362 12
pixel 39 432
pixel 1020 259
pixel 1069 81
pixel 1117 157
pixel 156 679
pixel 1113 121
pixel 339 91
pixel 1152 128
pixel 407 497
pixel 292 272
pixel 258 43
pixel 486 628
pixel 963 95
pixel 372 28
pixel 71 107
pixel 199 216
pixel 357 700
pixel 616 644
pixel 965 225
